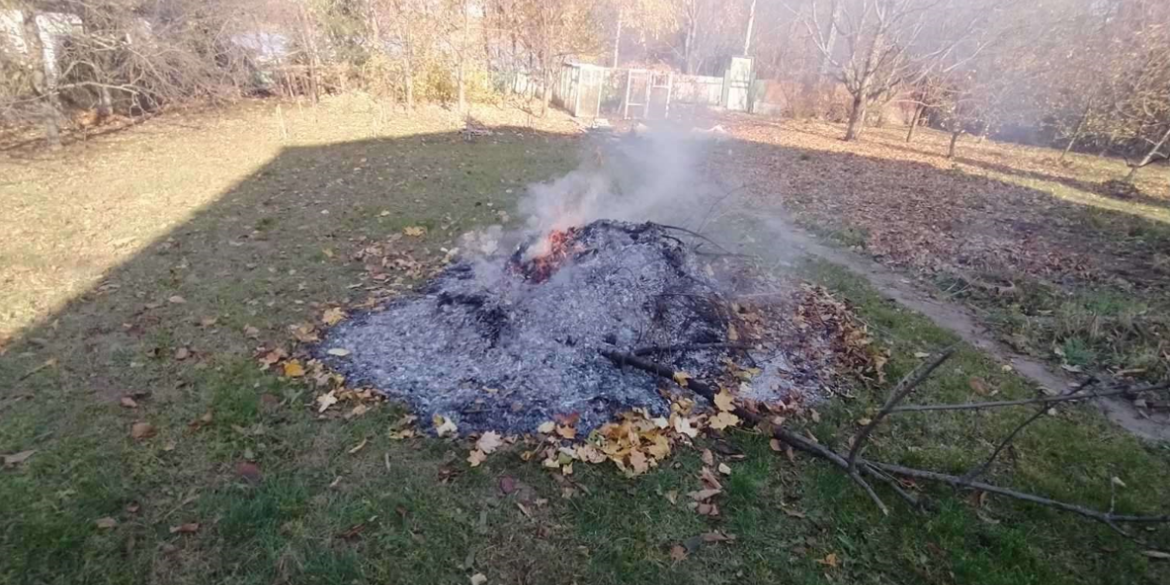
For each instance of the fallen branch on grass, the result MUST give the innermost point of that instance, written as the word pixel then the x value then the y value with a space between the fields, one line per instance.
pixel 1130 391
pixel 855 466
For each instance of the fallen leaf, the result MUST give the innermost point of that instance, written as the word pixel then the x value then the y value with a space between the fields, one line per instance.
pixel 106 523
pixel 725 401
pixel 707 457
pixel 921 354
pixel 862 422
pixel 546 427
pixel 723 420
pixel 702 495
pixel 476 457
pixel 128 402
pixel 182 353
pixel 979 386
pixel 176 300
pixel 293 369
pixel 671 496
pixel 775 445
pixel 682 425
pixel 681 378
pixel 188 528
pixel 326 400
pixel 142 430
pixel 444 426
pixel 724 469
pixel 678 553
pixel 1117 482
pixel 478 579
pixel 358 447
pixel 414 231
pixel 830 560
pixel 208 321
pixel 333 316
pixel 337 351
pixel 489 442
pixel 250 331
pixel 18 458
pixel 1157 554
pixel 248 471
pixel 709 537
pixel 638 462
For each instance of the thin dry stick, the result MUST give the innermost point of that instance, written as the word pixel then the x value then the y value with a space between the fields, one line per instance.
pixel 1039 400
pixel 979 469
pixel 956 481
pixel 702 389
pixel 903 389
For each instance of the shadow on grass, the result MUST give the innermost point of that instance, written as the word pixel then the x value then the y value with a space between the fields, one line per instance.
pixel 177 327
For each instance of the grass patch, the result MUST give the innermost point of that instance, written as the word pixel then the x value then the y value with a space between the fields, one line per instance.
pixel 261 255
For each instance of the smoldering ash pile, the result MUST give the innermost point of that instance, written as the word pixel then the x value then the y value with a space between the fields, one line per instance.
pixel 511 341
pixel 511 338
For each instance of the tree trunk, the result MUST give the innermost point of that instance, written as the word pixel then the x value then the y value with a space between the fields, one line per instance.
pixel 463 62
pixel 689 41
pixel 856 117
pixel 44 62
pixel 831 34
pixel 408 83
pixel 954 140
pixel 918 110
pixel 617 39
pixel 1149 157
pixel 1076 133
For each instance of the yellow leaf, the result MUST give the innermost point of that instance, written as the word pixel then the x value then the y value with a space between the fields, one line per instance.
pixel 414 231
pixel 567 432
pixel 682 425
pixel 476 457
pixel 830 560
pixel 359 446
pixel 725 401
pixel 638 463
pixel 546 427
pixel 333 316
pixel 724 469
pixel 444 426
pixel 681 378
pixel 659 447
pixel 723 420
pixel 326 400
pixel 732 334
pixel 489 442
pixel 294 369
pixel 590 454
pixel 337 351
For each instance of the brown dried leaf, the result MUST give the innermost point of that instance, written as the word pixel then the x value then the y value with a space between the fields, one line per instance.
pixel 188 528
pixel 142 430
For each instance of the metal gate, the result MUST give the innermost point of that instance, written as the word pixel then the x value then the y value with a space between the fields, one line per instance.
pixel 647 94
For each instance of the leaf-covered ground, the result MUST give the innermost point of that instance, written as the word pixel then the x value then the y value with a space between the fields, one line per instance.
pixel 143 443
pixel 1059 262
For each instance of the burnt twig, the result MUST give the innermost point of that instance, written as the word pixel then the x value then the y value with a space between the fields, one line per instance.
pixel 901 390
pixel 653 349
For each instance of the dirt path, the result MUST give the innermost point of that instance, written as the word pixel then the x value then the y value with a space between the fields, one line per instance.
pixel 956 318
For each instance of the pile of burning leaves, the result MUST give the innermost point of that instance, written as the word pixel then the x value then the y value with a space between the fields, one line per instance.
pixel 519 349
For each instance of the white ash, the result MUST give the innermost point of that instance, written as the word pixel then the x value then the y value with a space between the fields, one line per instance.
pixel 489 349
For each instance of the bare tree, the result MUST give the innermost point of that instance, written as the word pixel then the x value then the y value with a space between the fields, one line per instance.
pixel 887 44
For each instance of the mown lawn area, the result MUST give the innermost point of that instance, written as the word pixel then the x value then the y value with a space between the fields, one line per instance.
pixel 144 270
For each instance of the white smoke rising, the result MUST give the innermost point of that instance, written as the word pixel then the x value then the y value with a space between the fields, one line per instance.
pixel 657 175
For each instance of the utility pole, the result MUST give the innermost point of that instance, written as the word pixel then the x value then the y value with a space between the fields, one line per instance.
pixel 747 41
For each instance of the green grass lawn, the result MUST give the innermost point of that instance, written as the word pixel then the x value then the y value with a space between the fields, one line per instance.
pixel 282 495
